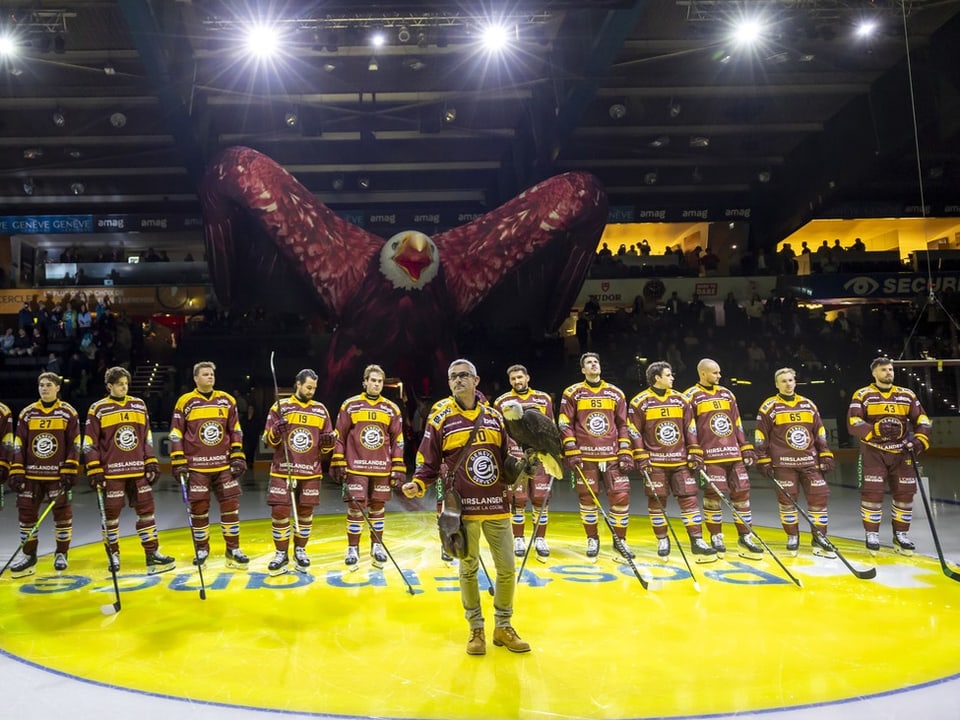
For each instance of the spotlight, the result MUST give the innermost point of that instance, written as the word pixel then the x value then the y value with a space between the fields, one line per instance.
pixel 77 188
pixel 617 111
pixel 337 183
pixel 696 176
pixel 414 64
pixel 422 39
pixel 763 176
pixel 363 182
pixel 109 69
pixel 118 120
pixel 651 178
pixel 329 66
pixel 74 153
pixel 16 71
pixel 33 153
pixel 748 31
pixel 449 115
pixel 660 141
pixel 403 34
pixel 290 119
pixel 866 29
pixel 28 187
pixel 377 38
pixel 699 141
pixel 674 109
pixel 373 65
pixel 8 46
pixel 59 118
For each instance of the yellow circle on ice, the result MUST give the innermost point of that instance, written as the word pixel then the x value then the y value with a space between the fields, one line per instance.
pixel 359 644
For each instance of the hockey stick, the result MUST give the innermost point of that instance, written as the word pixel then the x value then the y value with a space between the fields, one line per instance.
pixel 108 609
pixel 536 524
pixel 952 574
pixel 484 568
pixel 378 538
pixel 33 531
pixel 196 548
pixel 648 583
pixel 868 574
pixel 291 483
pixel 732 508
pixel 663 510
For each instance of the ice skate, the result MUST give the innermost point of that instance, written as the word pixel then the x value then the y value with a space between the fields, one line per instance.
pixel 593 548
pixel 236 559
pixel 278 566
pixel 158 563
pixel 903 544
pixel 519 547
pixel 201 557
pixel 821 548
pixel 301 559
pixel 793 545
pixel 717 541
pixel 24 567
pixel 60 561
pixel 748 547
pixel 543 552
pixel 113 563
pixel 352 558
pixel 702 552
pixel 663 548
pixel 378 554
pixel 872 542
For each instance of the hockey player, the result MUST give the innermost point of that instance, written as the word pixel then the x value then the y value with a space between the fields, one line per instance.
pixel 469 436
pixel 597 443
pixel 206 453
pixel 6 447
pixel 890 422
pixel 368 462
pixel 726 455
pixel 791 446
pixel 120 463
pixel 539 486
pixel 665 451
pixel 44 469
pixel 301 432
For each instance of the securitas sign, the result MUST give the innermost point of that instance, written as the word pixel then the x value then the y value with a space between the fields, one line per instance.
pixel 879 285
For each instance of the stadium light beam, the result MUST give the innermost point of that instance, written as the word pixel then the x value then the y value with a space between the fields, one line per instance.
pixel 748 32
pixel 495 37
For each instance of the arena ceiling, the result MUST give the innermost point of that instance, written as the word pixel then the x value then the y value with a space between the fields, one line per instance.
pixel 116 107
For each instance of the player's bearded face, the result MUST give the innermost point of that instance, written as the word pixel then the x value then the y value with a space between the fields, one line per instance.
pixel 306 389
pixel 519 381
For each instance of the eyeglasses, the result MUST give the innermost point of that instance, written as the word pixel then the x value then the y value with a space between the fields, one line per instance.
pixel 460 375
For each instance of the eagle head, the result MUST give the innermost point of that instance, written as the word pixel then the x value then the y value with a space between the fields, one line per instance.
pixel 512 410
pixel 409 260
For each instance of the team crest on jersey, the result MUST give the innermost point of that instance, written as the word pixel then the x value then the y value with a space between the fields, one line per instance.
pixel 44 446
pixel 798 437
pixel 126 438
pixel 482 468
pixel 372 437
pixel 300 440
pixel 211 433
pixel 667 433
pixel 721 425
pixel 597 424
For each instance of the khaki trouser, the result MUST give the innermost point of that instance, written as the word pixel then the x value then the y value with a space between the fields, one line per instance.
pixel 500 540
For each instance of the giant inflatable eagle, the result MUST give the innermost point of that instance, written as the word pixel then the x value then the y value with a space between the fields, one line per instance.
pixel 394 302
pixel 532 429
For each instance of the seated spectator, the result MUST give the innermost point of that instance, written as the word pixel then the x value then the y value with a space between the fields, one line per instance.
pixel 756 357
pixel 6 341
pixel 644 247
pixel 858 246
pixel 603 253
pixel 84 318
pixel 22 344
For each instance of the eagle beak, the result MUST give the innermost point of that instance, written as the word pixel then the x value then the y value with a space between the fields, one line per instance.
pixel 413 255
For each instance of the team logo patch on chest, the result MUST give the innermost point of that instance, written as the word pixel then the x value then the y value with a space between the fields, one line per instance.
pixel 372 437
pixel 300 440
pixel 721 425
pixel 667 433
pixel 125 438
pixel 798 437
pixel 44 446
pixel 211 433
pixel 597 424
pixel 482 468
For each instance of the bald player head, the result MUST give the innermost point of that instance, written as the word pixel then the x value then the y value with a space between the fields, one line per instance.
pixel 709 372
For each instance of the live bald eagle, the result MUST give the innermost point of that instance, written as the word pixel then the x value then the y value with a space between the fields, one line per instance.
pixel 532 429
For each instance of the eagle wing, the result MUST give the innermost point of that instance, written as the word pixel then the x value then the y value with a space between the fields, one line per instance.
pixel 263 227
pixel 544 439
pixel 556 225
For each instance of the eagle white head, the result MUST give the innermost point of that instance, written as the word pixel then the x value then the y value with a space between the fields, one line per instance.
pixel 409 260
pixel 512 410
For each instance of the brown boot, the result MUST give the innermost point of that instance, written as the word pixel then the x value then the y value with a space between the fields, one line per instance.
pixel 477 644
pixel 507 637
